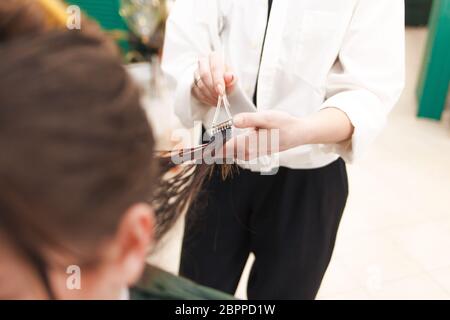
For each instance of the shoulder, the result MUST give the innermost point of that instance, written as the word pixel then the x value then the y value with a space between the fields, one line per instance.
pixel 157 284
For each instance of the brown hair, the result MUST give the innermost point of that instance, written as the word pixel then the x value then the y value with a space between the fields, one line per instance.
pixel 176 191
pixel 29 18
pixel 76 146
pixel 18 17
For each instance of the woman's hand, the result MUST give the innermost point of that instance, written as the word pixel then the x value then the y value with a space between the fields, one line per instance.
pixel 269 132
pixel 328 126
pixel 212 78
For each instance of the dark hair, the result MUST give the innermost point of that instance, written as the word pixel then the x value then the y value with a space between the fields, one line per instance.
pixel 19 17
pixel 76 146
pixel 25 18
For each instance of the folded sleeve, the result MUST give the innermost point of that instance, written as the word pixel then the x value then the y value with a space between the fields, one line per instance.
pixel 369 74
pixel 190 32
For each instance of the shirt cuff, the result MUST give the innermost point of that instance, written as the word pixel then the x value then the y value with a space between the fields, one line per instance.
pixel 365 111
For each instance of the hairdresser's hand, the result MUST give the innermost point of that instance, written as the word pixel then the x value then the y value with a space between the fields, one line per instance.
pixel 211 79
pixel 268 132
pixel 284 132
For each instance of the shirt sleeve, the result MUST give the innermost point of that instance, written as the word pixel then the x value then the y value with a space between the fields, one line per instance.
pixel 190 32
pixel 368 77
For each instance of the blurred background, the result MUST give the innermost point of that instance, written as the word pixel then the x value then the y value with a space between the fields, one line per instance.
pixel 394 240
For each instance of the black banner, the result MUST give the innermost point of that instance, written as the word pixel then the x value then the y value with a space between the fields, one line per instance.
pixel 222 309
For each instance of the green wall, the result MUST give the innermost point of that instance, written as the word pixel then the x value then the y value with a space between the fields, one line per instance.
pixel 106 12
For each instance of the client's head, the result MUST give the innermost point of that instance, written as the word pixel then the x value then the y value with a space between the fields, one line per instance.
pixel 76 171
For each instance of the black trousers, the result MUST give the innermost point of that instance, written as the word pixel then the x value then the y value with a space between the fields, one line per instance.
pixel 289 221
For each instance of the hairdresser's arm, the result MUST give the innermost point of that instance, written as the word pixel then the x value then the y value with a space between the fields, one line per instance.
pixel 197 72
pixel 328 126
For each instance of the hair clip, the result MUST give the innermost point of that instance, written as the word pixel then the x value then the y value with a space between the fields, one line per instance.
pixel 223 126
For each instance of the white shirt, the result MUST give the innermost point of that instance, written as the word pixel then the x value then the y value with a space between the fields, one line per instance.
pixel 347 54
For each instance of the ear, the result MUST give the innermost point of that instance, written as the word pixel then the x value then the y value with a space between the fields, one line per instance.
pixel 134 238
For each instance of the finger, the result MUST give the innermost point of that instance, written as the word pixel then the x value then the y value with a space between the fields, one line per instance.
pixel 205 75
pixel 243 147
pixel 251 145
pixel 206 99
pixel 251 120
pixel 200 84
pixel 197 77
pixel 217 68
pixel 203 91
pixel 230 79
pixel 230 85
pixel 202 97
